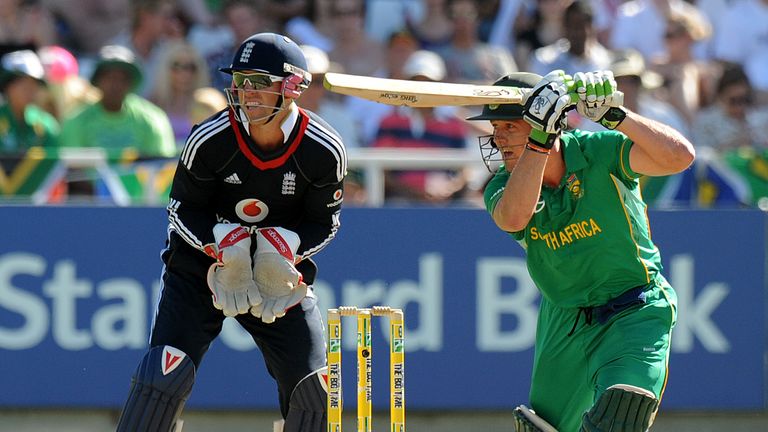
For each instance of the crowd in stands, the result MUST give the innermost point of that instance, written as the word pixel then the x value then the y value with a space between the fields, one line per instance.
pixel 131 77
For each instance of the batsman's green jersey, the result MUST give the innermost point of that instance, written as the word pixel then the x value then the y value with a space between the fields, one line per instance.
pixel 587 243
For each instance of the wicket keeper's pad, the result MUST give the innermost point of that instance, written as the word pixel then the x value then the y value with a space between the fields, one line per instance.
pixel 159 388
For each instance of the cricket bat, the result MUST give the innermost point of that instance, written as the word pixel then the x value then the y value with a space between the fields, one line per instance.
pixel 421 94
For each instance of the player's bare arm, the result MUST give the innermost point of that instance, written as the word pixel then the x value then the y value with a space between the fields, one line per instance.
pixel 659 149
pixel 518 201
pixel 543 113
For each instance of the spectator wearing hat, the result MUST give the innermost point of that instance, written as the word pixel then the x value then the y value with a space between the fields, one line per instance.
pixel 28 134
pixel 319 100
pixel 121 122
pixel 23 124
pixel 332 109
pixel 428 128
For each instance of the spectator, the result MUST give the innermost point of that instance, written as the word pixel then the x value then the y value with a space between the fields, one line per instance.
pixel 66 91
pixel 319 100
pixel 25 25
pixel 182 70
pixel 502 32
pixel 366 114
pixel 742 38
pixel 577 50
pixel 307 28
pixel 383 17
pixel 467 58
pixel 435 28
pixel 689 83
pixel 27 132
pixel 277 13
pixel 641 24
pixel 91 25
pixel 331 108
pixel 537 27
pixel 353 49
pixel 243 20
pixel 122 122
pixel 423 128
pixel 206 101
pixel 734 120
pixel 22 123
pixel 150 22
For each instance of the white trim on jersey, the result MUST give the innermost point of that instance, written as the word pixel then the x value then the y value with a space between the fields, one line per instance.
pixel 197 138
pixel 336 218
pixel 178 226
pixel 332 142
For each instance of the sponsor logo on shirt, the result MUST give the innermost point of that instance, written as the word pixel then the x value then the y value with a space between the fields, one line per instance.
pixel 251 210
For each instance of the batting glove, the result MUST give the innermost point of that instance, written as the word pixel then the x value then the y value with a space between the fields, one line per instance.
pixel 280 284
pixel 231 278
pixel 545 107
pixel 598 98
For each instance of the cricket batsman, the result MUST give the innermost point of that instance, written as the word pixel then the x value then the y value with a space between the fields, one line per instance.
pixel 572 200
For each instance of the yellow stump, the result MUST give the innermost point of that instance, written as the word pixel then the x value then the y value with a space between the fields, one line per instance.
pixel 364 353
pixel 397 371
pixel 364 367
pixel 335 401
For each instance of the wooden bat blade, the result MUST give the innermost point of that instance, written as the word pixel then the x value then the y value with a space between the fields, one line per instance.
pixel 420 94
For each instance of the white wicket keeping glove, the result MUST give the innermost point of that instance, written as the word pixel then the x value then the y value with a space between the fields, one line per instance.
pixel 598 98
pixel 280 284
pixel 547 102
pixel 230 278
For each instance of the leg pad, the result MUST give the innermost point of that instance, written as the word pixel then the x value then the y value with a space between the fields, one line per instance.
pixel 307 408
pixel 622 408
pixel 159 388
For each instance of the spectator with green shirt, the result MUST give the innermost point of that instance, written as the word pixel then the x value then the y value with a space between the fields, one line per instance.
pixel 22 123
pixel 123 123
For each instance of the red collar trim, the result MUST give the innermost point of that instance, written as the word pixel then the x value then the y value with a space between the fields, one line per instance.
pixel 272 163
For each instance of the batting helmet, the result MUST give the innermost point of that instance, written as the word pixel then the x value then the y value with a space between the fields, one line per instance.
pixel 508 111
pixel 270 53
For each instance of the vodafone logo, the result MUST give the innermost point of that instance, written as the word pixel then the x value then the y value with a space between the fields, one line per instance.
pixel 337 194
pixel 251 210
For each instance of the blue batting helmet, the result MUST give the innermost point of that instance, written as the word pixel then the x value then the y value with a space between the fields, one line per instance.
pixel 269 53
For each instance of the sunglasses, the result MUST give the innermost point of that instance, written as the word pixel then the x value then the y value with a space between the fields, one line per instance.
pixel 675 33
pixel 742 100
pixel 257 81
pixel 183 66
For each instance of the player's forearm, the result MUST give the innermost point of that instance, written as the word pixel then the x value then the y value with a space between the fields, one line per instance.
pixel 521 193
pixel 668 149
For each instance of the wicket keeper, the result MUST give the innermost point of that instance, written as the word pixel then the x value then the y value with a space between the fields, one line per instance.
pixel 572 200
pixel 257 192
